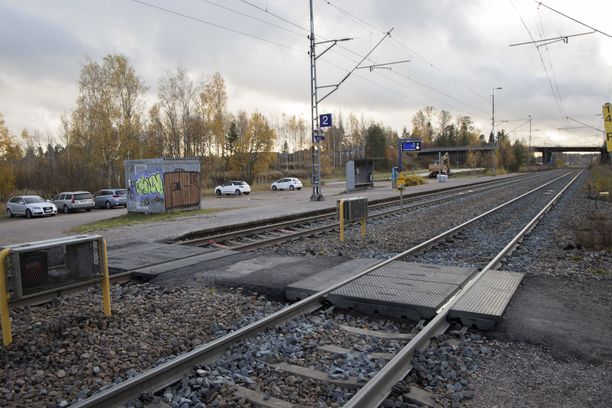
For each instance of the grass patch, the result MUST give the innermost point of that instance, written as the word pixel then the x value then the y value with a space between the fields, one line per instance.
pixel 601 272
pixel 132 219
pixel 600 181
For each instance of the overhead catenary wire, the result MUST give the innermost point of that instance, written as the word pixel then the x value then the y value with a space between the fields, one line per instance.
pixel 286 46
pixel 404 46
pixel 572 18
pixel 222 27
pixel 276 15
pixel 557 102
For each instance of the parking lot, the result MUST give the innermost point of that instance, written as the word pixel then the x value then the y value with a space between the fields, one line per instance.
pixel 19 229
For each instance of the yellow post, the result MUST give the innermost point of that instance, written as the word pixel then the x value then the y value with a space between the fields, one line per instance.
pixel 106 300
pixel 363 227
pixel 341 214
pixel 7 335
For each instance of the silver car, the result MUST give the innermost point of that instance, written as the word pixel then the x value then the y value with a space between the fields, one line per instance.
pixel 70 201
pixel 30 206
pixel 110 197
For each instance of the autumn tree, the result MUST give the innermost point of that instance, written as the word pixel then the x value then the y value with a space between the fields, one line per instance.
pixel 105 126
pixel 254 148
pixel 213 103
pixel 10 153
pixel 422 124
pixel 177 116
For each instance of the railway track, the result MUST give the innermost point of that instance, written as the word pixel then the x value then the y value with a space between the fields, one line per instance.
pixel 255 235
pixel 193 369
pixel 252 237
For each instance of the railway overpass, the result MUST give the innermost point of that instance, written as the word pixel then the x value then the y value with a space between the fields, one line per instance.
pixel 546 151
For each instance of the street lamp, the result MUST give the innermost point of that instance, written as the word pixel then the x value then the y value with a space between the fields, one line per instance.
pixel 493 129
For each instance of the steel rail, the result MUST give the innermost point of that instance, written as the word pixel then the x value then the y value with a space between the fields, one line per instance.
pixel 171 371
pixel 386 202
pixel 374 392
pixel 429 200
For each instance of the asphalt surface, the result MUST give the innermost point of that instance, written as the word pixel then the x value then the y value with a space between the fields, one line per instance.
pixel 259 205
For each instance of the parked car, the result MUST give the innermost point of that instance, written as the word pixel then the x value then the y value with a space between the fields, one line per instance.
pixel 287 183
pixel 30 206
pixel 69 201
pixel 233 187
pixel 110 197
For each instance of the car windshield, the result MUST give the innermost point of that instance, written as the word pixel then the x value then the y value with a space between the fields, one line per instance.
pixel 34 200
pixel 82 196
pixel 121 192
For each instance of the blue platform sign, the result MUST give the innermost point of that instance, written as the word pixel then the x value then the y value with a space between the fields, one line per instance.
pixel 411 145
pixel 325 120
pixel 318 136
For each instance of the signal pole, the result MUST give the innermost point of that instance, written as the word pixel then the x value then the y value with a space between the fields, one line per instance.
pixel 315 149
pixel 317 135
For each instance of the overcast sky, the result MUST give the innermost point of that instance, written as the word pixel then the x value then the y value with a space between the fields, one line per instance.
pixel 458 51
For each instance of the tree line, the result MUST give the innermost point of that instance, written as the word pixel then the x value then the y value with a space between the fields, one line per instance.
pixel 111 122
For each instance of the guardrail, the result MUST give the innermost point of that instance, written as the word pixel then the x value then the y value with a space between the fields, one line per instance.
pixel 30 268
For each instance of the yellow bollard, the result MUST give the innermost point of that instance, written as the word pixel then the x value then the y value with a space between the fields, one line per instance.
pixel 106 300
pixel 341 220
pixel 7 335
pixel 363 227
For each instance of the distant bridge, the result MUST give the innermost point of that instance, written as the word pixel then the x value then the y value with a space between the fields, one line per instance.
pixel 547 151
pixel 458 152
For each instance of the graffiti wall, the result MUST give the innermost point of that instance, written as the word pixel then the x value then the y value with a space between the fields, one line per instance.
pixel 158 185
pixel 146 191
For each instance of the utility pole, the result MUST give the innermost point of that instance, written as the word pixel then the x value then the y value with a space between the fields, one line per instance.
pixel 530 152
pixel 493 130
pixel 314 118
pixel 316 134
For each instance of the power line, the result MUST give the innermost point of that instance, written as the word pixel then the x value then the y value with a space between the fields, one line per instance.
pixel 573 19
pixel 363 22
pixel 561 111
pixel 199 20
pixel 275 15
pixel 251 17
pixel 402 45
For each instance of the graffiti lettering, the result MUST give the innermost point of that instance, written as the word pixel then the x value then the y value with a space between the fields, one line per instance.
pixel 149 186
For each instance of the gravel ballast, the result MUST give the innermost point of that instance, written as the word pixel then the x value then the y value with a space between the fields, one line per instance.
pixel 552 348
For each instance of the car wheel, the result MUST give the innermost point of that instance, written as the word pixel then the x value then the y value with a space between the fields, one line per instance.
pixel 274 188
pixel 246 193
pixel 299 188
pixel 66 209
pixel 28 214
pixel 237 192
pixel 108 205
pixel 88 209
pixel 291 188
pixel 9 213
pixel 218 192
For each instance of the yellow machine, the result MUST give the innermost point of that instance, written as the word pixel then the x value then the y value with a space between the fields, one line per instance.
pixel 440 166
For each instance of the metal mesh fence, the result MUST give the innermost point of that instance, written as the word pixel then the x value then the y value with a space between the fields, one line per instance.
pixel 39 270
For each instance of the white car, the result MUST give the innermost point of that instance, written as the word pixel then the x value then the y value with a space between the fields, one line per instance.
pixel 30 206
pixel 233 187
pixel 287 183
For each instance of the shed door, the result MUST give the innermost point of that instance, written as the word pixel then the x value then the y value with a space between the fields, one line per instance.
pixel 181 189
